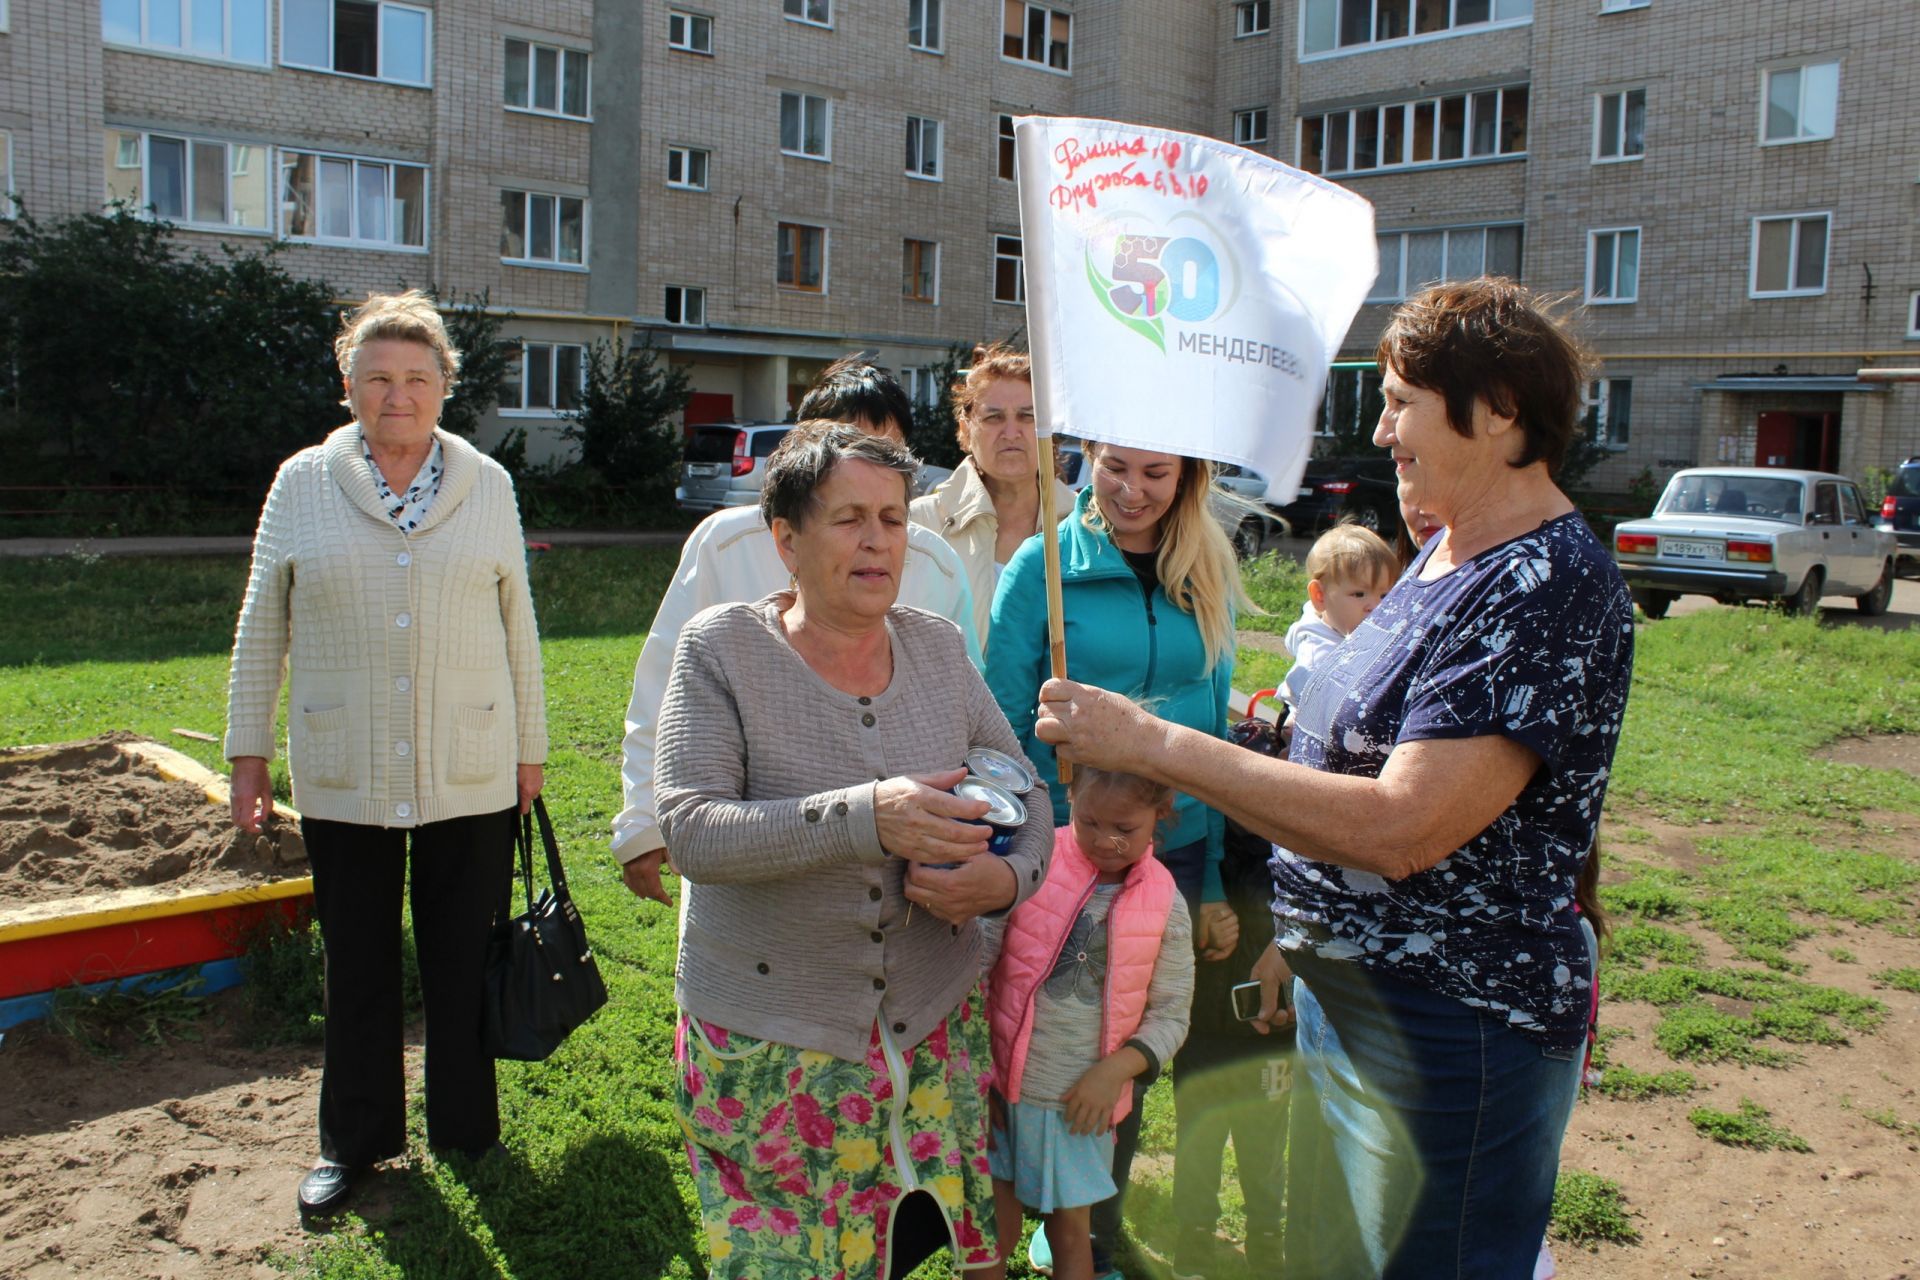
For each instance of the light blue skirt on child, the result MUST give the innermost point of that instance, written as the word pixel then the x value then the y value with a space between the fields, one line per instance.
pixel 1050 1166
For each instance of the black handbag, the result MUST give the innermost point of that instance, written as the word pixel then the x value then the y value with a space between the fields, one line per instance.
pixel 541 978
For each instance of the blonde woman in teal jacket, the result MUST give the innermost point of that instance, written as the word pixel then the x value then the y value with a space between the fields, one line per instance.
pixel 1150 587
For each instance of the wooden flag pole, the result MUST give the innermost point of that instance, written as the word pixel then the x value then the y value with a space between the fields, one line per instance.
pixel 1056 613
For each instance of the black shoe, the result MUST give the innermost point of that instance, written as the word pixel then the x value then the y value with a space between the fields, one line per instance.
pixel 325 1188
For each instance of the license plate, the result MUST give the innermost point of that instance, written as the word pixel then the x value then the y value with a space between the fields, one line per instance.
pixel 1306 491
pixel 705 470
pixel 1682 549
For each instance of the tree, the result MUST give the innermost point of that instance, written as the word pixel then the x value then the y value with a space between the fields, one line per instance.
pixel 624 426
pixel 484 361
pixel 931 433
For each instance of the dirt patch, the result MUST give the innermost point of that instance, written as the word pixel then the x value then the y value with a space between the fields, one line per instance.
pixel 87 817
pixel 1900 751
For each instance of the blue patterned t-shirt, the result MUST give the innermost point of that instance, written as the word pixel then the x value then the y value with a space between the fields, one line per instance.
pixel 1531 640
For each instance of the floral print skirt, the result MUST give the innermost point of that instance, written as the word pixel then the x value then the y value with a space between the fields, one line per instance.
pixel 801 1158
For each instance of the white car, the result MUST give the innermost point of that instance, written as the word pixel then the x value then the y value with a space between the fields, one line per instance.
pixel 1756 533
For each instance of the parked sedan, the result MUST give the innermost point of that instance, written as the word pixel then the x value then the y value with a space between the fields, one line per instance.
pixel 1900 514
pixel 1750 533
pixel 1364 490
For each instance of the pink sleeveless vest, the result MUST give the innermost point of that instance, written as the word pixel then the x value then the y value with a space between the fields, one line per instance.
pixel 1037 930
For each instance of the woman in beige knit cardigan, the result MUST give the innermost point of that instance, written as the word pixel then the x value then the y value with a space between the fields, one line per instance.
pixel 389 579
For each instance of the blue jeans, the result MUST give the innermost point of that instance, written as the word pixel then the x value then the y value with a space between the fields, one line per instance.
pixel 1425 1135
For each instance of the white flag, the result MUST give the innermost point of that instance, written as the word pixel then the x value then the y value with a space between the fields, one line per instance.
pixel 1184 295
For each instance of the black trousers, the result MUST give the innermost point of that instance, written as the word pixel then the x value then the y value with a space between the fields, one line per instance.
pixel 459 877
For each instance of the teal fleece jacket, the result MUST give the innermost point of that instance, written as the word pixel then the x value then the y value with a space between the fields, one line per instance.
pixel 1118 638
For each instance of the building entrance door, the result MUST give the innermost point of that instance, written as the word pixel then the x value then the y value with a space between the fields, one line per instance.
pixel 1804 441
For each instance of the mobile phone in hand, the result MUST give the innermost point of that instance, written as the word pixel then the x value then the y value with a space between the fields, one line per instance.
pixel 1246 1001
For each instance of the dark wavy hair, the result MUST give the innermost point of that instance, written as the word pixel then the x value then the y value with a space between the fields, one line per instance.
pixel 807 455
pixel 852 390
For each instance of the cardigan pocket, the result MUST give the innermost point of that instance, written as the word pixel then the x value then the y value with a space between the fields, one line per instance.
pixel 325 757
pixel 473 752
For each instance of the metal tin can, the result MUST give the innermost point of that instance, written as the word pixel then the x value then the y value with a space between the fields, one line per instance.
pixel 1009 773
pixel 1006 814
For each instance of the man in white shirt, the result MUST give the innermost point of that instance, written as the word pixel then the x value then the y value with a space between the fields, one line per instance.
pixel 730 558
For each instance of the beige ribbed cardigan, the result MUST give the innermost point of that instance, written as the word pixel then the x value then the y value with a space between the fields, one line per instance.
pixel 413 658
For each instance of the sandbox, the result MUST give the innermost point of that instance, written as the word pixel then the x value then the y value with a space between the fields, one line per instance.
pixel 119 864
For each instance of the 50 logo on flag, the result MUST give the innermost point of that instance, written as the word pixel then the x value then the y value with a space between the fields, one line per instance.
pixel 1150 279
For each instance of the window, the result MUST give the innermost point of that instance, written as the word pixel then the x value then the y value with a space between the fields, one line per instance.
pixel 1484 125
pixel 806 125
pixel 1621 6
pixel 686 305
pixel 191 181
pixel 1913 310
pixel 923 148
pixel 1352 404
pixel 1339 26
pixel 9 202
pixel 1789 255
pixel 1620 125
pixel 691 32
pixel 232 30
pixel 819 13
pixel 362 202
pixel 1613 265
pixel 1411 260
pixel 1036 34
pixel 1252 18
pixel 923 25
pixel 920 270
pixel 802 254
pixel 545 79
pixel 357 38
pixel 1250 127
pixel 543 229
pixel 1009 273
pixel 1005 167
pixel 1609 404
pixel 687 168
pixel 1799 104
pixel 547 378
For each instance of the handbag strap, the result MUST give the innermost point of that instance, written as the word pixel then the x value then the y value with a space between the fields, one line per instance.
pixel 523 846
pixel 557 879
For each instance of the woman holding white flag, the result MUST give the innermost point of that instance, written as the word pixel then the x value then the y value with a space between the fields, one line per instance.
pixel 1150 587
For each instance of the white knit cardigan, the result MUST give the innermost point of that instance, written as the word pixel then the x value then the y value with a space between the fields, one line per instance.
pixel 413 658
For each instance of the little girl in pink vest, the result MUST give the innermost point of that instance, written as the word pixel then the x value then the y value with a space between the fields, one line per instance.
pixel 1092 987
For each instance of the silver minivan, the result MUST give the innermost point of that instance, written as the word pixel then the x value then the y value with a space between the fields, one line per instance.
pixel 724 462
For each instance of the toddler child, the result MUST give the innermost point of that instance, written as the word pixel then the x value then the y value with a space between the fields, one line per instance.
pixel 1349 571
pixel 1091 989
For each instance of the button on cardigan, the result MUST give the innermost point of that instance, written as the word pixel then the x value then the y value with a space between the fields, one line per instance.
pixel 413 658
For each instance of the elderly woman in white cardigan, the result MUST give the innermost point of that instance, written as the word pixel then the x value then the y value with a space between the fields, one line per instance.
pixel 389 579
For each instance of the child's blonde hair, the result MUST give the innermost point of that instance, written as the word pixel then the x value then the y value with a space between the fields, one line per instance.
pixel 1349 553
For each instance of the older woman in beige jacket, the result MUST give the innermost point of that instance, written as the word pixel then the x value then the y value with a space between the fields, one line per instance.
pixel 991 503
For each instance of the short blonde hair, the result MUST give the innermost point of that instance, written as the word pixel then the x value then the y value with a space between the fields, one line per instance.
pixel 1349 553
pixel 404 317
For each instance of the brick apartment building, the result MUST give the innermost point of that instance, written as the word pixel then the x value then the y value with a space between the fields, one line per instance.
pixel 1732 190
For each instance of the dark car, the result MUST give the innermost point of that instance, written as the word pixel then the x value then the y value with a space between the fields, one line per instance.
pixel 1362 489
pixel 1900 513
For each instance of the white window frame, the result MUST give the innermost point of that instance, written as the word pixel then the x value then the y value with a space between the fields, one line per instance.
pixel 921 388
pixel 1624 6
pixel 932 300
pixel 6 20
pixel 1620 110
pixel 144 42
pixel 801 99
pixel 1361 423
pixel 551 409
pixel 690 23
pixel 1002 141
pixel 379 23
pixel 1793 257
pixel 1250 118
pixel 1800 133
pixel 9 194
pixel 186 220
pixel 1400 287
pixel 1597 399
pixel 1453 29
pixel 1252 18
pixel 693 299
pixel 924 159
pixel 1000 254
pixel 686 156
pixel 1913 313
pixel 803 17
pixel 284 157
pixel 556 263
pixel 1468 116
pixel 561 57
pixel 1614 297
pixel 826 248
pixel 1025 57
pixel 928 15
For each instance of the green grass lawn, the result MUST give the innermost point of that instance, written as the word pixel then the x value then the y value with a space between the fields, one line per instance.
pixel 1726 707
